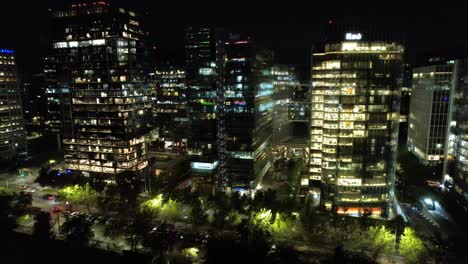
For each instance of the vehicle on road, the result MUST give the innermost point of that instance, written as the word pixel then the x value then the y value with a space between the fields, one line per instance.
pixel 48 196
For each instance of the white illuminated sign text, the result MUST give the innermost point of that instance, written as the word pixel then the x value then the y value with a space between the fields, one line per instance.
pixel 353 36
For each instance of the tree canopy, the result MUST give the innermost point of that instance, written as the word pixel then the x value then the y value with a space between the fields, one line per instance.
pixel 412 247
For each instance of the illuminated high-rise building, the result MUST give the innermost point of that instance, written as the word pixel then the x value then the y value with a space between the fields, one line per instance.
pixel 406 83
pixel 58 117
pixel 247 113
pixel 100 56
pixel 456 162
pixel 170 109
pixel 284 83
pixel 12 133
pixel 204 70
pixel 354 122
pixel 299 139
pixel 429 110
pixel 291 116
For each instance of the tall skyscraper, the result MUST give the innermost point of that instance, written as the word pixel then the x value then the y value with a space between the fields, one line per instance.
pixel 429 110
pixel 406 84
pixel 456 161
pixel 204 70
pixel 34 102
pixel 12 133
pixel 100 52
pixel 284 83
pixel 248 106
pixel 354 122
pixel 170 109
pixel 299 115
pixel 58 117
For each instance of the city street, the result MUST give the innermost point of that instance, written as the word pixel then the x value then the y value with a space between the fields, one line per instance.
pixel 13 182
pixel 419 222
pixel 435 223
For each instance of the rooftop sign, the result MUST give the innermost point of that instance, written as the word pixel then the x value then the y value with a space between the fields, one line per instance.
pixel 353 36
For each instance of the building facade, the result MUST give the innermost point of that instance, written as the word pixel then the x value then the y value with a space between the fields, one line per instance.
pixel 34 103
pixel 12 132
pixel 204 60
pixel 170 109
pixel 58 116
pixel 429 110
pixel 299 116
pixel 406 84
pixel 100 53
pixel 456 162
pixel 248 107
pixel 354 122
pixel 284 83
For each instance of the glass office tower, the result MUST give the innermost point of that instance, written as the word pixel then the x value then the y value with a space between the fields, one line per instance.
pixel 406 84
pixel 100 53
pixel 204 70
pixel 354 122
pixel 429 110
pixel 58 117
pixel 248 106
pixel 456 161
pixel 284 83
pixel 170 109
pixel 12 133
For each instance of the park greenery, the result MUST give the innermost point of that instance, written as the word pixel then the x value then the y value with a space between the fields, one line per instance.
pixel 279 226
pixel 79 194
pixel 255 223
pixel 165 208
pixel 412 247
pixel 77 231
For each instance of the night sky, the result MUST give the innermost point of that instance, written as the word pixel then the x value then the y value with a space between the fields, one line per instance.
pixel 290 28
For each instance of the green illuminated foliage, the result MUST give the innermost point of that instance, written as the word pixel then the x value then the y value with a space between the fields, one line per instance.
pixel 382 240
pixel 164 208
pixel 78 194
pixel 279 225
pixel 411 247
pixel 262 219
pixel 284 227
pixel 234 218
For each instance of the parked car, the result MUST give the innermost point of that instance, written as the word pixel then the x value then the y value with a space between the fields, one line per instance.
pixel 102 219
pixel 91 218
pixel 76 213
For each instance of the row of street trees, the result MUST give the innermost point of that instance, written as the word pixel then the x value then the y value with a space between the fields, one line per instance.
pixel 274 220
